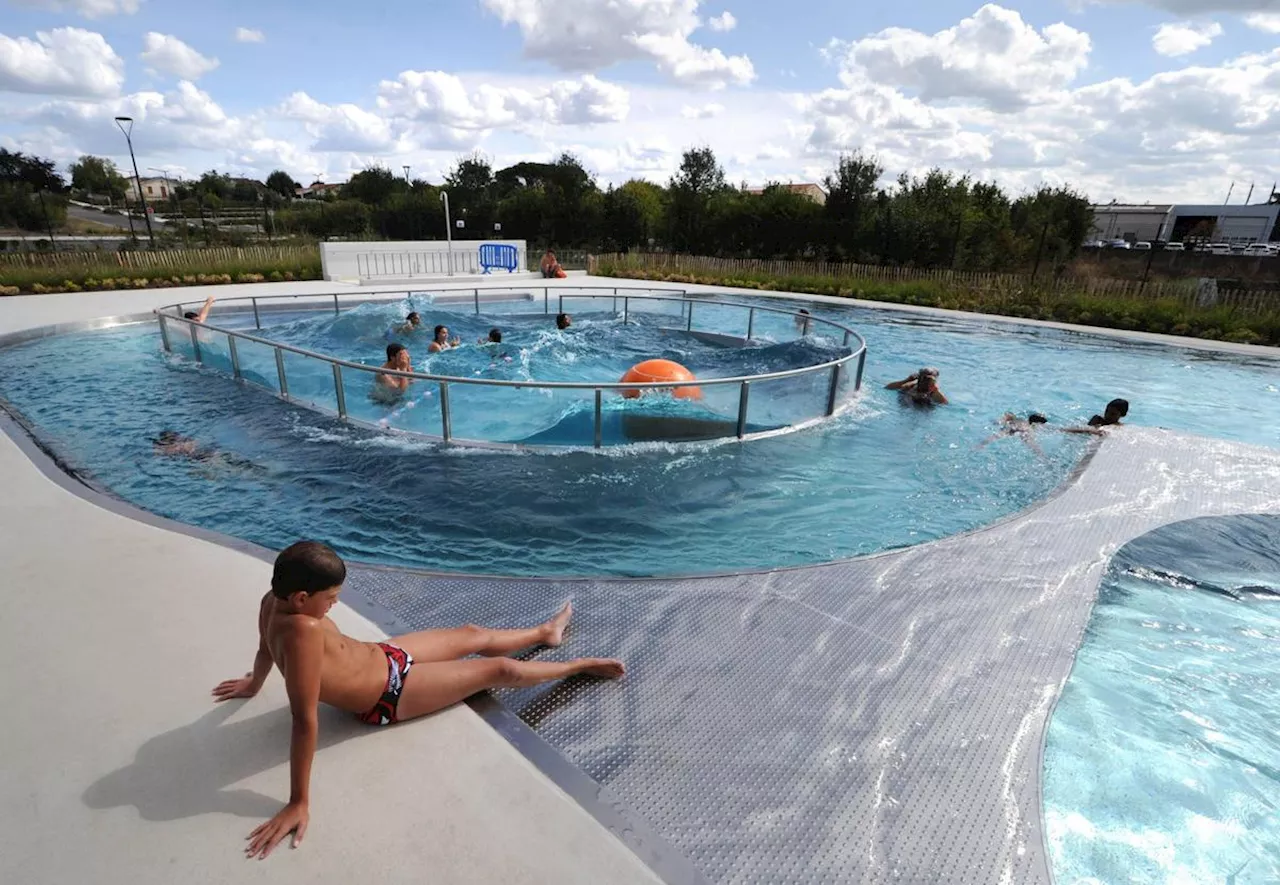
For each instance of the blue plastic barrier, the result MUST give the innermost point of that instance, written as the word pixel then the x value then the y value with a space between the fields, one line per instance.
pixel 499 255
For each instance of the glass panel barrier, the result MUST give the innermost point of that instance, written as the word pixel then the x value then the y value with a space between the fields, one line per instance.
pixel 257 364
pixel 310 381
pixel 783 402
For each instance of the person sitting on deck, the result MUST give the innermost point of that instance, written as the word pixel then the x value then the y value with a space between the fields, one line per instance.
pixel 389 388
pixel 550 266
pixel 563 321
pixel 203 313
pixel 920 388
pixel 1116 409
pixel 380 682
pixel 442 341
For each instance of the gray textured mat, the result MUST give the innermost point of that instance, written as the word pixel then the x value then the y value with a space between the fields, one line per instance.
pixel 872 721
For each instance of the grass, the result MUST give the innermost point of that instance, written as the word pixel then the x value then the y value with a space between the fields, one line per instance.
pixel 1171 316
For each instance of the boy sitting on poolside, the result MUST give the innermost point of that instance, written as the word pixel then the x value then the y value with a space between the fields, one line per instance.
pixel 372 679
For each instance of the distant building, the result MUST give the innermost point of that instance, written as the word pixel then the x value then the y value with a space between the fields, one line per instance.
pixel 317 189
pixel 1255 223
pixel 812 191
pixel 154 189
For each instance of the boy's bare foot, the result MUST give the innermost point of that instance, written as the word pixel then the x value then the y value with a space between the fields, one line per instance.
pixel 605 668
pixel 556 626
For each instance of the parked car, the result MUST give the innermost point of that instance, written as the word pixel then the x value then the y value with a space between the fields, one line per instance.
pixel 1142 246
pixel 1259 250
pixel 1220 248
pixel 1174 247
pixel 1119 244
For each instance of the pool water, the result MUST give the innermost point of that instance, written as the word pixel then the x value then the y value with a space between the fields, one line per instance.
pixel 878 476
pixel 1162 763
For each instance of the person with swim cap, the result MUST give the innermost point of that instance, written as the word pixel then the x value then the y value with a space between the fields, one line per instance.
pixel 920 388
pixel 389 388
pixel 563 321
pixel 442 340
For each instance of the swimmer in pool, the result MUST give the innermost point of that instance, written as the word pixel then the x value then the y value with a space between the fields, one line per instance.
pixel 920 388
pixel 1012 425
pixel 1115 410
pixel 563 321
pixel 171 444
pixel 412 323
pixel 495 337
pixel 802 321
pixel 389 388
pixel 442 341
pixel 203 313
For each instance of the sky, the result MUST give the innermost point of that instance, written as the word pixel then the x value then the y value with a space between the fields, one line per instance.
pixel 1129 100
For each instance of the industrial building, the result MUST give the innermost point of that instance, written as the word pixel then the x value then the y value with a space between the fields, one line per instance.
pixel 1239 224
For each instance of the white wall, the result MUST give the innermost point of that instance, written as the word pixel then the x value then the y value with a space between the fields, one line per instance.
pixel 408 260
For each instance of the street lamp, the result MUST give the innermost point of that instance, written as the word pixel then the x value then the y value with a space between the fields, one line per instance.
pixel 137 179
pixel 448 227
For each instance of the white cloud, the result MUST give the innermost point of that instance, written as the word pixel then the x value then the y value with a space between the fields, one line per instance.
pixel 722 22
pixel 1182 38
pixel 170 55
pixel 86 8
pixel 439 98
pixel 587 35
pixel 341 127
pixel 64 61
pixel 701 112
pixel 993 56
pixel 249 35
pixel 1267 22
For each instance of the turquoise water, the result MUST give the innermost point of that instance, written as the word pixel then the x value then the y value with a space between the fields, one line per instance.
pixel 879 476
pixel 1162 763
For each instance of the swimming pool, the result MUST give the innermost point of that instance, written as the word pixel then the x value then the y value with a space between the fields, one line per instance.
pixel 878 476
pixel 1162 763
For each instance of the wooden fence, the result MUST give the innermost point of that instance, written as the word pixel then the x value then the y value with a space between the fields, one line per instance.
pixel 1045 287
pixel 171 259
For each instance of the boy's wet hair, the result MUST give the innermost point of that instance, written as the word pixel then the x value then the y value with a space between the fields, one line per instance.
pixel 191 315
pixel 495 335
pixel 393 351
pixel 413 318
pixel 1119 406
pixel 307 566
pixel 562 321
pixel 1037 418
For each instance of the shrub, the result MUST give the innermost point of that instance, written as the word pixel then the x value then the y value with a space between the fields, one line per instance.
pixel 9 290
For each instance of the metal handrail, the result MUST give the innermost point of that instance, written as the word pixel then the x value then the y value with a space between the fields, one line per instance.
pixel 836 365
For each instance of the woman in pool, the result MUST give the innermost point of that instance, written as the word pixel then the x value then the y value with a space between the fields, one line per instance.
pixel 442 340
pixel 920 389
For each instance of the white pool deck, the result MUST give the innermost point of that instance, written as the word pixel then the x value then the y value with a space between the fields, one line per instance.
pixel 118 768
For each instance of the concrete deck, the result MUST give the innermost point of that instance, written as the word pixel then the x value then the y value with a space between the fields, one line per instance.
pixel 118 768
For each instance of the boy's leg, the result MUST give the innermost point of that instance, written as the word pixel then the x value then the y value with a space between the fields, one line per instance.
pixel 459 642
pixel 435 685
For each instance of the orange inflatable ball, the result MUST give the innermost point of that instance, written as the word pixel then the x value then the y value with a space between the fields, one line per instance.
pixel 661 370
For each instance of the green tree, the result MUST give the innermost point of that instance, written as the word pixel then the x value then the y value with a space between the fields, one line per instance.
pixel 282 183
pixel 96 175
pixel 851 203
pixel 36 173
pixel 374 186
pixel 699 178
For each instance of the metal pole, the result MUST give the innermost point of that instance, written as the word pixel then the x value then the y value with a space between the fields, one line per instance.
pixel 335 303
pixel 834 390
pixel 626 308
pixel 862 362
pixel 195 342
pixel 257 322
pixel 599 417
pixel 744 396
pixel 164 335
pixel 689 327
pixel 284 382
pixel 445 423
pixel 47 223
pixel 137 179
pixel 235 357
pixel 338 389
pixel 846 339
pixel 448 228
pixel 560 303
pixel 477 296
pixel 546 300
pixel 751 323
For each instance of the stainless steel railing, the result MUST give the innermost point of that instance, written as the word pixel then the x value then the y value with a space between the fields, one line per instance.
pixel 837 368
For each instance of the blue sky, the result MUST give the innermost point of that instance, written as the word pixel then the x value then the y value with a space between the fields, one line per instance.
pixel 1143 101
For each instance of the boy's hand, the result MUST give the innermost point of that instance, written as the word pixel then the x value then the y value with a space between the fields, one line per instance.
pixel 293 818
pixel 235 688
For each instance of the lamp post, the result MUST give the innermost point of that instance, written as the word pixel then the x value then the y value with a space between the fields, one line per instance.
pixel 137 179
pixel 448 227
